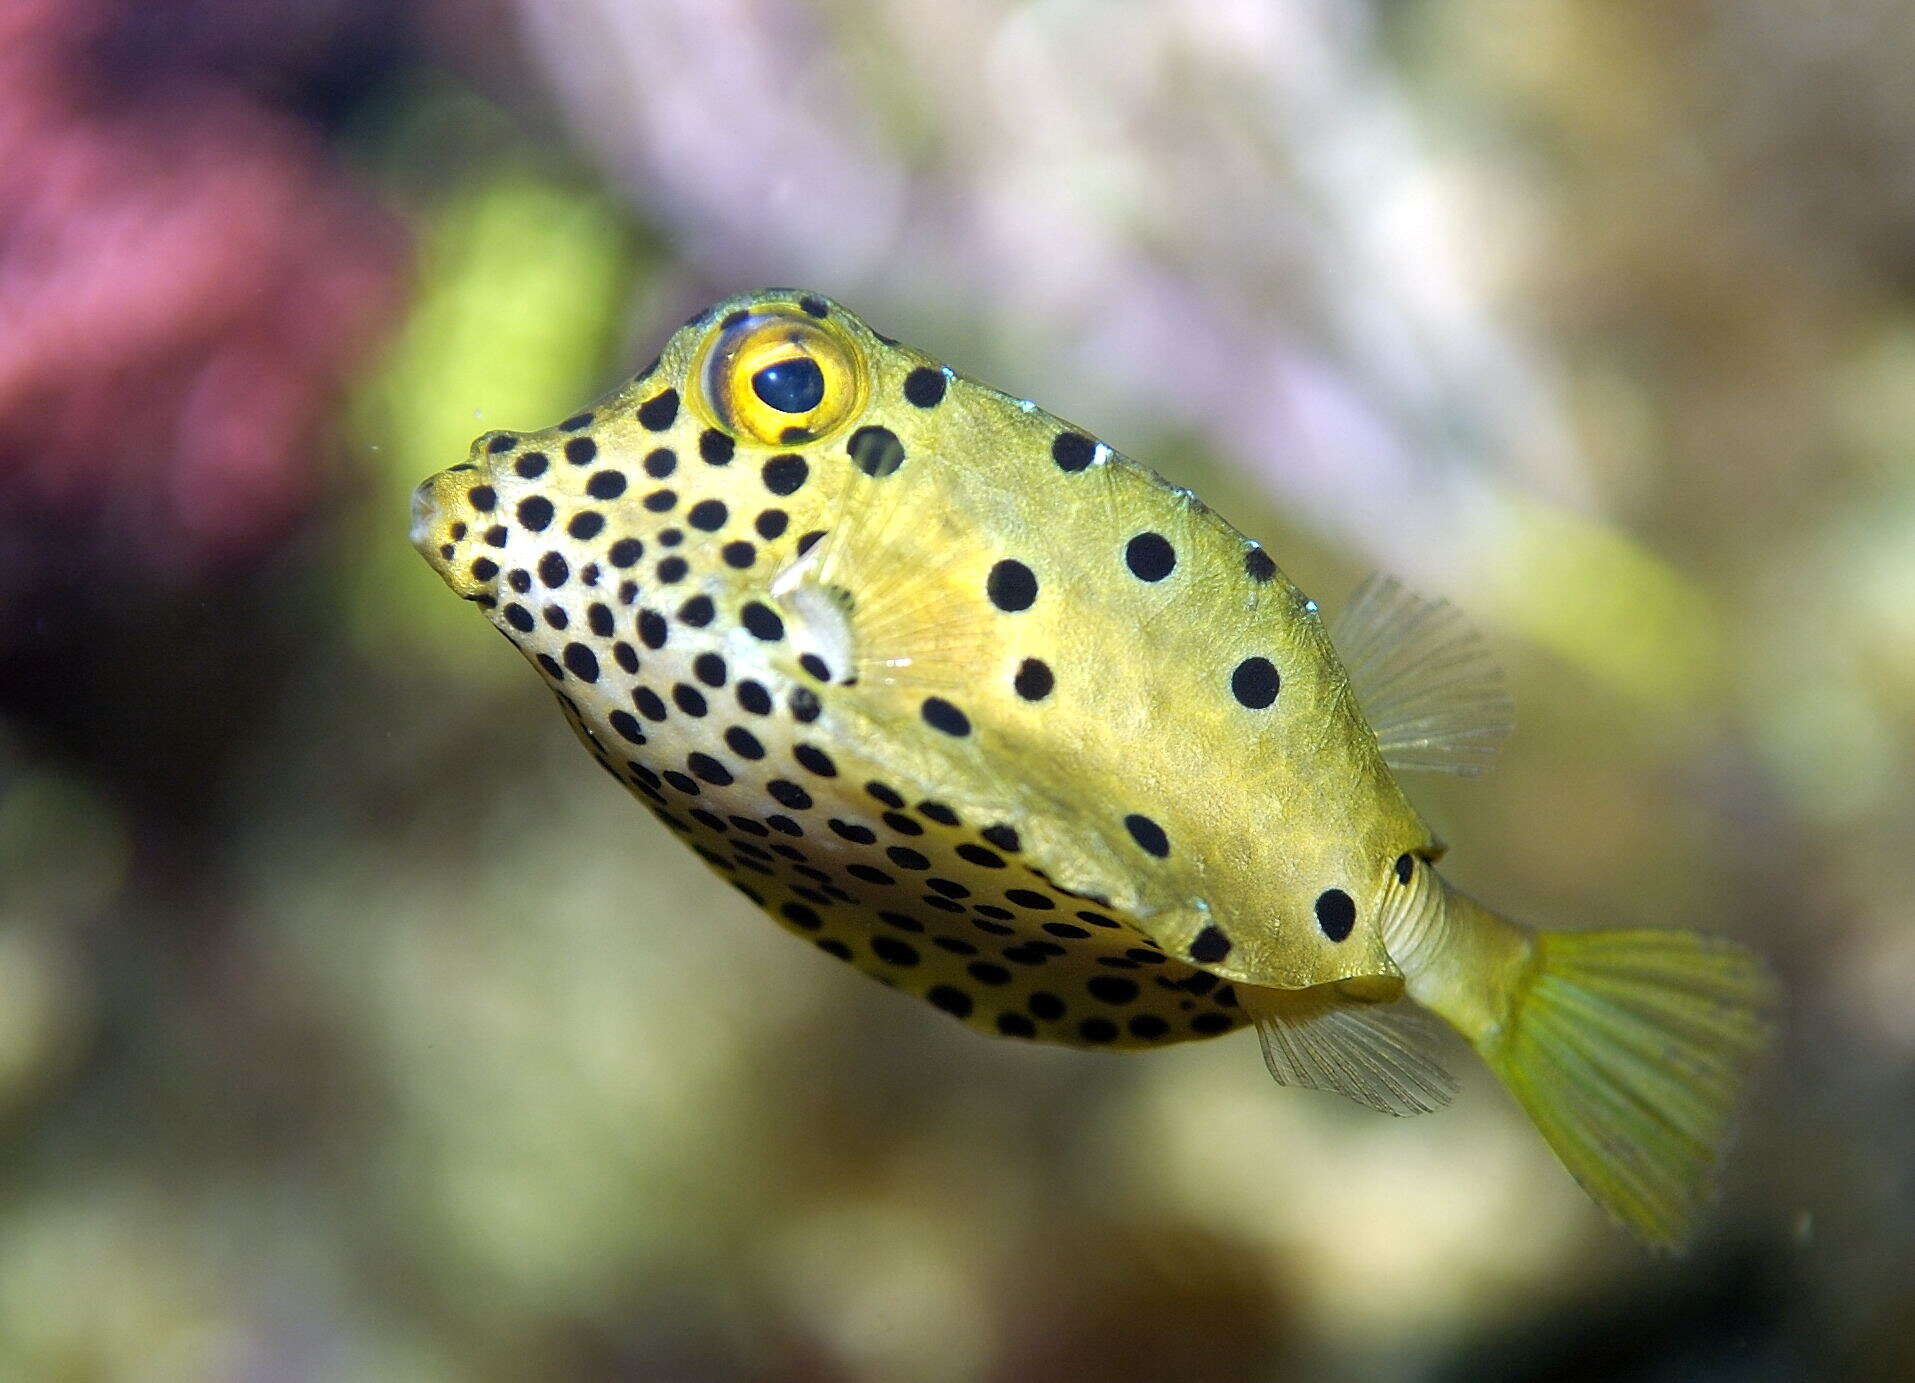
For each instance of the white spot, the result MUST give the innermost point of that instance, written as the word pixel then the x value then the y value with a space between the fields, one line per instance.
pixel 949 373
pixel 1309 607
pixel 1027 406
pixel 1099 454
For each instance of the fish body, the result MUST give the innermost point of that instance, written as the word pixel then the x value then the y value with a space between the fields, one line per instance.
pixel 967 699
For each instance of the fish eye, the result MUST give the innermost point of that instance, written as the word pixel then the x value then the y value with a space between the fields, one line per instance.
pixel 791 386
pixel 779 376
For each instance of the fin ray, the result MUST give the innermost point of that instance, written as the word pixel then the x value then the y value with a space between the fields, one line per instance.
pixel 1424 678
pixel 1373 1053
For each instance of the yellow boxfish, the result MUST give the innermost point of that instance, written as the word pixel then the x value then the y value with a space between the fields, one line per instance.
pixel 967 699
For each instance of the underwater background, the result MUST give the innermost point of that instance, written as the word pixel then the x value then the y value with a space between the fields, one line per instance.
pixel 353 1026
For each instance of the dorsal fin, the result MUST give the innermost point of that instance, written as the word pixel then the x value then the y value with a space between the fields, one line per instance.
pixel 1377 1054
pixel 1424 678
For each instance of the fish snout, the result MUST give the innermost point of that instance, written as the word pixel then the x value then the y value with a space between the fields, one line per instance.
pixel 451 521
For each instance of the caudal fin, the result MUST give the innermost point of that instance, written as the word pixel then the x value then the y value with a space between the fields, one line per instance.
pixel 1630 1050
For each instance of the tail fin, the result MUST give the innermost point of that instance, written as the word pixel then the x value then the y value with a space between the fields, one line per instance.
pixel 1629 1049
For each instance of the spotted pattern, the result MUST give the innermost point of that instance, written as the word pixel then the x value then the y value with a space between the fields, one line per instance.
pixel 681 678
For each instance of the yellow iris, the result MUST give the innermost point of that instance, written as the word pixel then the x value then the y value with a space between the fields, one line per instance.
pixel 781 377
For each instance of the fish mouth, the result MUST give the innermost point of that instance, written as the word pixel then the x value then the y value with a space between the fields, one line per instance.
pixel 450 513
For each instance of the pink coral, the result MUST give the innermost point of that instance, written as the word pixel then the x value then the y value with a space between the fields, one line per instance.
pixel 184 283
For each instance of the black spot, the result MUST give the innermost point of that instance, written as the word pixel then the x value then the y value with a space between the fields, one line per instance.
pixel 1209 946
pixel 876 450
pixel 852 831
pixel 661 462
pixel 715 447
pixel 520 579
pixel 815 305
pixel 652 629
pixel 552 669
pixel 904 857
pixel 1112 989
pixel 810 540
pixel 500 441
pixel 940 714
pixel 1016 1025
pixel 535 512
pixel 484 569
pixel 924 387
pixel 626 726
pixel 625 552
pixel 938 812
pixel 709 668
pixel 740 554
pixel 1147 1027
pixel 1097 919
pixel 672 570
pixel 743 743
pixel 586 524
pixel 1404 864
pixel 979 856
pixel 576 421
pixel 904 922
pixel 805 707
pixel 1210 1024
pixel 670 537
pixel 1097 1030
pixel 894 952
pixel 801 916
pixel 688 699
pixel 1029 898
pixel 556 617
pixel 660 411
pixel 984 972
pixel 705 767
pixel 902 824
pixel 495 535
pixel 708 515
pixel 697 612
pixel 1148 834
pixel 531 465
pixel 581 451
pixel 1069 931
pixel 815 665
pixel 1258 566
pixel 599 616
pixel 519 618
pixel 1072 451
pixel 1003 837
pixel 831 946
pixel 1011 586
pixel 661 501
pixel 1255 683
pixel 1150 556
pixel 815 759
pixel 1033 681
pixel 553 570
pixel 762 621
pixel 788 794
pixel 482 498
pixel 737 317
pixel 754 698
pixel 606 485
pixel 784 474
pixel 1336 913
pixel 951 1000
pixel 625 656
pixel 648 703
pixel 771 523
pixel 1046 1006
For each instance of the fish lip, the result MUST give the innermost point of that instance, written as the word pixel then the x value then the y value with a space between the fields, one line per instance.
pixel 425 516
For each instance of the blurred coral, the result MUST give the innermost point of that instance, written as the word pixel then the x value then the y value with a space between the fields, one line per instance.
pixel 185 280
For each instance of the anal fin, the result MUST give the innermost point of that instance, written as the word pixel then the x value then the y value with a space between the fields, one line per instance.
pixel 1376 1054
pixel 1424 678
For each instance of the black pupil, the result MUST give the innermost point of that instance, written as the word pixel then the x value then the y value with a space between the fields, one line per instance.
pixel 791 386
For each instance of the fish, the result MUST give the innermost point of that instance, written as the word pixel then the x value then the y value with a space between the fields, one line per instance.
pixel 962 696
